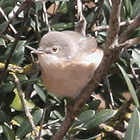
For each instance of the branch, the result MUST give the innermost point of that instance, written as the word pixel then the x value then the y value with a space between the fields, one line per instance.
pixel 25 107
pixel 63 128
pixel 113 23
pixel 104 28
pixel 81 24
pixel 110 129
pixel 46 16
pixel 130 42
pixel 125 35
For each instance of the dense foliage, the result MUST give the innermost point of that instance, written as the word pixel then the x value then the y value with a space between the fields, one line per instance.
pixel 115 115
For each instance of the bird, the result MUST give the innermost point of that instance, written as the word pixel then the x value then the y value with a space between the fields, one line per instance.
pixel 68 60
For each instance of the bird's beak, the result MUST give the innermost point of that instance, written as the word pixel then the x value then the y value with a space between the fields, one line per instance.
pixel 38 51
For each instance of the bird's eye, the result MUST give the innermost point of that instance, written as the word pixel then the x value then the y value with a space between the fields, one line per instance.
pixel 55 49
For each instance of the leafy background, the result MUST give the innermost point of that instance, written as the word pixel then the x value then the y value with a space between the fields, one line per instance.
pixel 101 117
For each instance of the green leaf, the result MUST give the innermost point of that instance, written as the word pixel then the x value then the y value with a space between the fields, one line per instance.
pixel 18 55
pixel 22 77
pixel 56 115
pixel 9 37
pixel 133 130
pixel 2 25
pixel 8 132
pixel 17 105
pixel 136 8
pixel 4 117
pixel 99 118
pixel 128 6
pixel 130 86
pixel 2 42
pixel 136 56
pixel 63 8
pixel 25 127
pixel 18 119
pixel 83 118
pixel 61 26
pixel 94 104
pixel 6 88
pixel 38 6
pixel 40 92
pixel 89 119
pixel 106 8
pixel 90 17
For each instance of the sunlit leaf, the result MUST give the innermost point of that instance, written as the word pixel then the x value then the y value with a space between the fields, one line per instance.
pixel 17 105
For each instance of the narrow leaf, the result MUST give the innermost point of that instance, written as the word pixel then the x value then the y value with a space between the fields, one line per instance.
pixel 99 118
pixel 8 132
pixel 40 92
pixel 130 86
pixel 133 130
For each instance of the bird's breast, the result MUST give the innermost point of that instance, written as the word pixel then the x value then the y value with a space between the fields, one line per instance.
pixel 66 80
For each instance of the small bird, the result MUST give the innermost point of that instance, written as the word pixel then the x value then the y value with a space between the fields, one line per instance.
pixel 68 60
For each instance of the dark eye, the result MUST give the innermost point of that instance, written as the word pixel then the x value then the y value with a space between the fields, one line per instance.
pixel 55 49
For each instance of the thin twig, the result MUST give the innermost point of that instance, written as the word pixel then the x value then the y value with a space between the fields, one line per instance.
pixel 64 128
pixel 130 42
pixel 6 18
pixel 79 10
pixel 110 92
pixel 123 108
pixel 81 24
pixel 96 15
pixel 43 118
pixel 105 28
pixel 110 129
pixel 26 4
pixel 23 101
pixel 134 75
pixel 46 16
pixel 32 49
pixel 126 34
